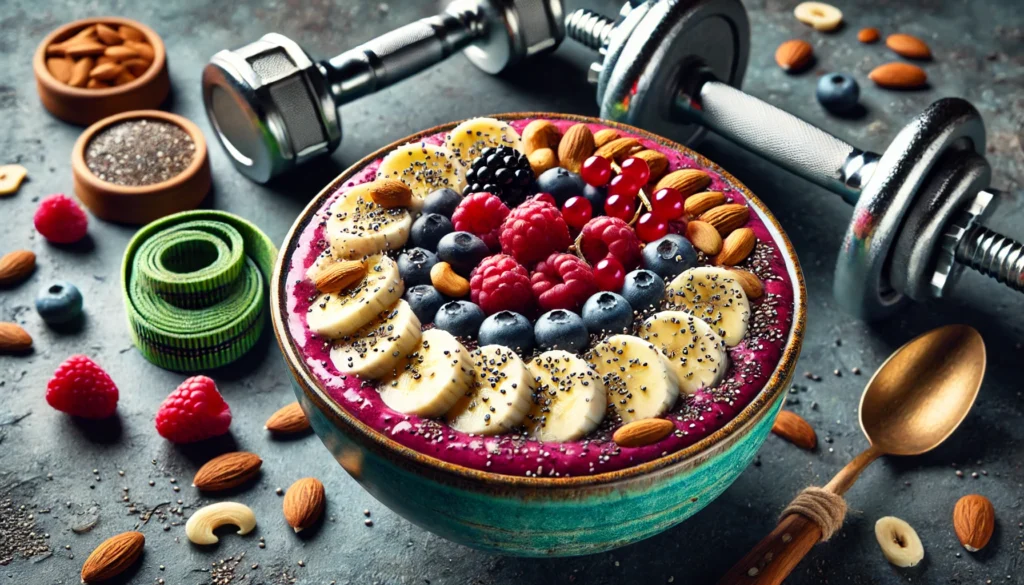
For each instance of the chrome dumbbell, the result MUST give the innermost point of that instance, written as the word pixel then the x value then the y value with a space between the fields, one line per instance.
pixel 274 108
pixel 674 66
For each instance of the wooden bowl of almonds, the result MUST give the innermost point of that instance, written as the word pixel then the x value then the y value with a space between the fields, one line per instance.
pixel 92 68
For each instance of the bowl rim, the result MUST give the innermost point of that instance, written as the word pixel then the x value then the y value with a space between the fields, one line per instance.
pixel 340 417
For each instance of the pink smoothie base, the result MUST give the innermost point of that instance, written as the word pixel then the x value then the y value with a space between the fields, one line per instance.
pixel 696 416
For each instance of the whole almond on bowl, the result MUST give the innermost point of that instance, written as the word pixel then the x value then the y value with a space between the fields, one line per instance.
pixel 698 203
pixel 726 218
pixel 288 420
pixel 540 134
pixel 751 284
pixel 339 276
pixel 736 247
pixel 227 471
pixel 16 266
pixel 112 557
pixel 686 181
pixel 542 159
pixel 604 136
pixel 304 503
pixel 974 520
pixel 617 150
pixel 390 193
pixel 908 46
pixel 898 76
pixel 14 339
pixel 576 146
pixel 793 428
pixel 794 55
pixel 704 237
pixel 656 161
pixel 643 432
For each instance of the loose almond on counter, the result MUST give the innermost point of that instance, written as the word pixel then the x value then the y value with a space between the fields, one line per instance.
pixel 643 432
pixel 736 247
pixel 227 471
pixel 16 266
pixel 908 46
pixel 704 237
pixel 288 420
pixel 868 35
pixel 14 339
pixel 304 503
pixel 540 134
pixel 795 429
pixel 575 147
pixel 974 520
pixel 686 181
pixel 726 218
pixel 794 55
pixel 339 276
pixel 447 281
pixel 898 76
pixel 752 285
pixel 390 193
pixel 698 203
pixel 112 557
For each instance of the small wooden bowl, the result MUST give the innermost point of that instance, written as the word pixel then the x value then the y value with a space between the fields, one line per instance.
pixel 83 106
pixel 144 203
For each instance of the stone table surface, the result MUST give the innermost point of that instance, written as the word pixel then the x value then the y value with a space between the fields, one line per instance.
pixel 59 476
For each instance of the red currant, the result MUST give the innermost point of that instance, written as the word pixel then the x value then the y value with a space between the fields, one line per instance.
pixel 651 227
pixel 622 185
pixel 667 204
pixel 577 211
pixel 620 206
pixel 636 170
pixel 609 274
pixel 546 197
pixel 596 171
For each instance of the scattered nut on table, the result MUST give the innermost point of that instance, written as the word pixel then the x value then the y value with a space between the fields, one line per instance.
pixel 199 528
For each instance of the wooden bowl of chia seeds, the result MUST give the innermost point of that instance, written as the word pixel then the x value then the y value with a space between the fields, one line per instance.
pixel 139 166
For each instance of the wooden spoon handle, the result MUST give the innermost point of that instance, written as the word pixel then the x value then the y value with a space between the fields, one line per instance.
pixel 775 557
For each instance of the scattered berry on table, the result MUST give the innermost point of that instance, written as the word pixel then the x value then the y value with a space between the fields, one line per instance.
pixel 667 204
pixel 501 170
pixel 80 387
pixel 838 92
pixel 607 313
pixel 193 412
pixel 669 256
pixel 596 197
pixel 620 206
pixel 60 220
pixel 460 318
pixel 561 329
pixel 533 231
pixel 636 170
pixel 463 251
pixel 604 236
pixel 424 300
pixel 509 329
pixel 562 281
pixel 643 289
pixel 651 227
pixel 442 202
pixel 59 303
pixel 500 283
pixel 577 211
pixel 596 171
pixel 481 214
pixel 561 184
pixel 414 265
pixel 428 230
pixel 609 274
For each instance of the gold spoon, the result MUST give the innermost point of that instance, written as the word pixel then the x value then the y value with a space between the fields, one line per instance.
pixel 915 400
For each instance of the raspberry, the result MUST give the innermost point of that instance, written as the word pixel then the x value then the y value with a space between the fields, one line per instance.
pixel 563 281
pixel 61 220
pixel 610 236
pixel 500 283
pixel 481 214
pixel 533 231
pixel 79 387
pixel 193 412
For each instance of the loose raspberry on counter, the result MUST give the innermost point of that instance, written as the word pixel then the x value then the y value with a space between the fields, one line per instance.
pixel 481 214
pixel 533 231
pixel 60 220
pixel 604 236
pixel 500 283
pixel 563 281
pixel 80 387
pixel 193 412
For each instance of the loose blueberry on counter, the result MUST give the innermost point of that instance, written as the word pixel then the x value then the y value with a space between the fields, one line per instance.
pixel 607 312
pixel 425 301
pixel 460 318
pixel 414 265
pixel 838 92
pixel 643 289
pixel 463 251
pixel 509 329
pixel 442 202
pixel 561 184
pixel 59 303
pixel 428 230
pixel 561 329
pixel 669 256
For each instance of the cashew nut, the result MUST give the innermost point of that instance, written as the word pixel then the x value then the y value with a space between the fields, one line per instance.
pixel 900 543
pixel 204 521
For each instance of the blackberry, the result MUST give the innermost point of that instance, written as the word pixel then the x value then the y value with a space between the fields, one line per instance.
pixel 501 170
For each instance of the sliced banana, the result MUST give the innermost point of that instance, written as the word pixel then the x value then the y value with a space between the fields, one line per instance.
pixel 900 543
pixel 569 398
pixel 360 227
pixel 499 397
pixel 821 16
pixel 340 314
pixel 640 382
pixel 467 140
pixel 431 378
pixel 424 167
pixel 695 353
pixel 375 350
pixel 714 295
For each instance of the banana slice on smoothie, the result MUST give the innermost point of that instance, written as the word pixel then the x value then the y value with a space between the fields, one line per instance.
pixel 431 378
pixel 424 168
pixel 695 352
pixel 467 140
pixel 359 227
pixel 375 350
pixel 343 313
pixel 499 397
pixel 640 382
pixel 569 398
pixel 714 295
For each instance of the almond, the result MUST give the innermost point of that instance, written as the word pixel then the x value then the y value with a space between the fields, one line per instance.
pixel 736 247
pixel 80 72
pixel 540 134
pixel 793 56
pixel 793 428
pixel 704 237
pixel 898 76
pixel 145 50
pixel 575 147
pixel 643 432
pixel 752 285
pixel 97 84
pixel 390 193
pixel 288 420
pixel 974 520
pixel 339 276
pixel 908 46
pixel 726 218
pixel 304 503
pixel 107 35
pixel 686 181
pixel 113 556
pixel 84 49
pixel 542 159
pixel 124 77
pixel 106 71
pixel 868 35
pixel 16 266
pixel 604 136
pixel 227 471
pixel 698 203
pixel 130 34
pixel 119 52
pixel 447 281
pixel 617 150
pixel 14 339
pixel 136 66
pixel 60 68
pixel 656 161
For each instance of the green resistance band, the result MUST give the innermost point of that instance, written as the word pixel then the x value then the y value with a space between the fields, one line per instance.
pixel 195 288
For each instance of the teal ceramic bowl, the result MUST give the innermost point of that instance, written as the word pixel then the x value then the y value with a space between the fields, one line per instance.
pixel 529 516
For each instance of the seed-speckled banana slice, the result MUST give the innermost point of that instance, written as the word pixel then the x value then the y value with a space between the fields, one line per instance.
pixel 569 398
pixel 639 380
pixel 424 168
pixel 694 352
pixel 714 295
pixel 359 227
pixel 431 379
pixel 467 140
pixel 499 397
pixel 375 350
pixel 334 315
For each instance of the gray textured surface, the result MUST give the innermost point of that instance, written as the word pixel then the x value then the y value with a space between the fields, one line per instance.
pixel 47 460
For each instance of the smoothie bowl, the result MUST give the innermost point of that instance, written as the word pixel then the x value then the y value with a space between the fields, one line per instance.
pixel 537 359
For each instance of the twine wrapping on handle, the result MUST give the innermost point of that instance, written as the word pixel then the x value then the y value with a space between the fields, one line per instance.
pixel 824 508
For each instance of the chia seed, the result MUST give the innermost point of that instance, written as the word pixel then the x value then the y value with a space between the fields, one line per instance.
pixel 139 152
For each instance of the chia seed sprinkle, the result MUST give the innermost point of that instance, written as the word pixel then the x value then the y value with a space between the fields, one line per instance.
pixel 139 152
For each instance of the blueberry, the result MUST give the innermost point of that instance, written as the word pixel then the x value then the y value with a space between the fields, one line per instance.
pixel 425 301
pixel 643 289
pixel 561 329
pixel 669 256
pixel 460 318
pixel 463 251
pixel 428 230
pixel 838 92
pixel 596 196
pixel 607 312
pixel 509 329
pixel 59 303
pixel 414 265
pixel 442 202
pixel 561 184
